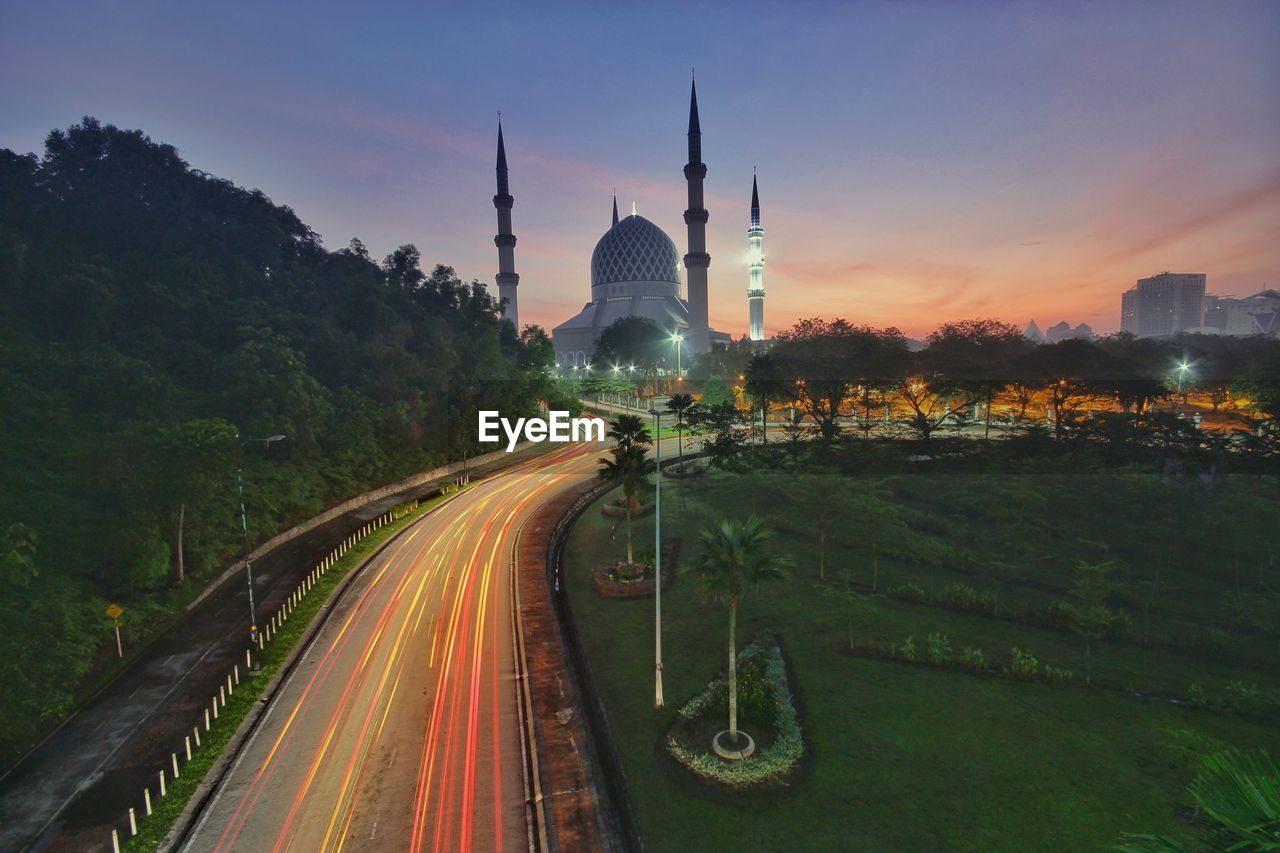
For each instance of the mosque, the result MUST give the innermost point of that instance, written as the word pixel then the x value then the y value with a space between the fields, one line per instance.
pixel 635 269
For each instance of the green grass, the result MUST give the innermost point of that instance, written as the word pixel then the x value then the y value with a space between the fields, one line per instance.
pixel 912 758
pixel 166 810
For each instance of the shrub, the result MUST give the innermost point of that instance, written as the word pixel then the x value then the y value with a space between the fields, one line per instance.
pixel 963 597
pixel 938 649
pixel 973 659
pixel 1241 697
pixel 767 765
pixel 1197 696
pixel 908 650
pixel 1024 665
pixel 1055 675
pixel 1056 616
pixel 909 592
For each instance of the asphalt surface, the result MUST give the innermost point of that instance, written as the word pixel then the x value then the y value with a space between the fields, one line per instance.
pixel 71 790
pixel 398 728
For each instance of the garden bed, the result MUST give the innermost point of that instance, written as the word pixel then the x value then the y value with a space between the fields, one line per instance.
pixel 767 712
pixel 610 581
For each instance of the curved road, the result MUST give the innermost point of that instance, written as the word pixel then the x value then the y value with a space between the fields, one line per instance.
pixel 398 729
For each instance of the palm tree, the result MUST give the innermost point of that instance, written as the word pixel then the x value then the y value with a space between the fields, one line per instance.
pixel 1240 794
pixel 734 560
pixel 630 430
pixel 680 404
pixel 628 463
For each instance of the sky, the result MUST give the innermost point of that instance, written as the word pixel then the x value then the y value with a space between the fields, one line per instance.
pixel 918 162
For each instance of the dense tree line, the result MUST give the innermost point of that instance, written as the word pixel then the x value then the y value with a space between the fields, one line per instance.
pixel 150 314
pixel 832 371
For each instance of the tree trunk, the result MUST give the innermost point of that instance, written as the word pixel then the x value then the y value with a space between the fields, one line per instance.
pixel 182 517
pixel 733 673
pixel 629 558
pixel 875 569
pixel 822 553
pixel 987 433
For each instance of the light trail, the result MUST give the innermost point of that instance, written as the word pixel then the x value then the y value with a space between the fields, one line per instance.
pixel 396 723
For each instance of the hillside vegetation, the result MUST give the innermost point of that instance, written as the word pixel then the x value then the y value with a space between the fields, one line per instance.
pixel 149 314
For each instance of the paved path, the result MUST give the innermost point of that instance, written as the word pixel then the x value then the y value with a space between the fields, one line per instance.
pixel 398 730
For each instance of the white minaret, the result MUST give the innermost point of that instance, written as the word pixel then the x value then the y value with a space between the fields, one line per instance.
pixel 697 261
pixel 507 278
pixel 755 255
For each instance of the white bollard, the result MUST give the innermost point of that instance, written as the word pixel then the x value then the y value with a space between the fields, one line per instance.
pixel 115 841
pixel 133 822
pixel 146 801
pixel 235 670
pixel 231 691
pixel 206 725
pixel 248 660
pixel 196 731
pixel 215 707
pixel 222 696
pixel 163 792
pixel 174 756
pixel 186 742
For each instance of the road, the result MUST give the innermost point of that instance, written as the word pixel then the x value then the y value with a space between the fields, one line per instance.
pixel 398 729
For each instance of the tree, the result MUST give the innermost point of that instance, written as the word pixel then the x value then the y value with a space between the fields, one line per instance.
pixel 633 341
pixel 680 404
pixel 727 440
pixel 1091 586
pixel 820 363
pixel 195 456
pixel 978 357
pixel 1073 373
pixel 734 560
pixel 1240 794
pixel 628 463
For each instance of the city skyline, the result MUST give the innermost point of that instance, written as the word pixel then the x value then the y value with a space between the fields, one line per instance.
pixel 1008 161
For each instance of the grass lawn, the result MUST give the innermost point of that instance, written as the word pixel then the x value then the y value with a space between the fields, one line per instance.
pixel 911 758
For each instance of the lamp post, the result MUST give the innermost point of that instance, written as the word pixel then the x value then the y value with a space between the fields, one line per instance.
pixel 657 559
pixel 244 527
pixel 678 338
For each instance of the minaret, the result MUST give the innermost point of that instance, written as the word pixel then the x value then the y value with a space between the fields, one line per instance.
pixel 697 261
pixel 755 253
pixel 507 278
pixel 615 208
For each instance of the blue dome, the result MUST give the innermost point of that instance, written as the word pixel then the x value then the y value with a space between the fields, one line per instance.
pixel 634 250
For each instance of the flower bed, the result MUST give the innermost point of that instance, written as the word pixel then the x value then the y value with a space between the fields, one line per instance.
pixel 781 747
pixel 616 580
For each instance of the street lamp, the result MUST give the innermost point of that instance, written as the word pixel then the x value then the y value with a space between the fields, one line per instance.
pixel 244 526
pixel 657 559
pixel 678 339
pixel 1183 367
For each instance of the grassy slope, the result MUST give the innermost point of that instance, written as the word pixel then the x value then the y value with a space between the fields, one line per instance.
pixel 902 758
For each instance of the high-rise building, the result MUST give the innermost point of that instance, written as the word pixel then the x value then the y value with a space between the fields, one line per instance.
pixel 755 253
pixel 1163 305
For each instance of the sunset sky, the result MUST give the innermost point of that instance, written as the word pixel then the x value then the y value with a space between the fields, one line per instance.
pixel 919 162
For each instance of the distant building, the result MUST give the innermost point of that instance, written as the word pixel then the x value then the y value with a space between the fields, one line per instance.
pixel 1060 331
pixel 1258 314
pixel 1163 305
pixel 1064 331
